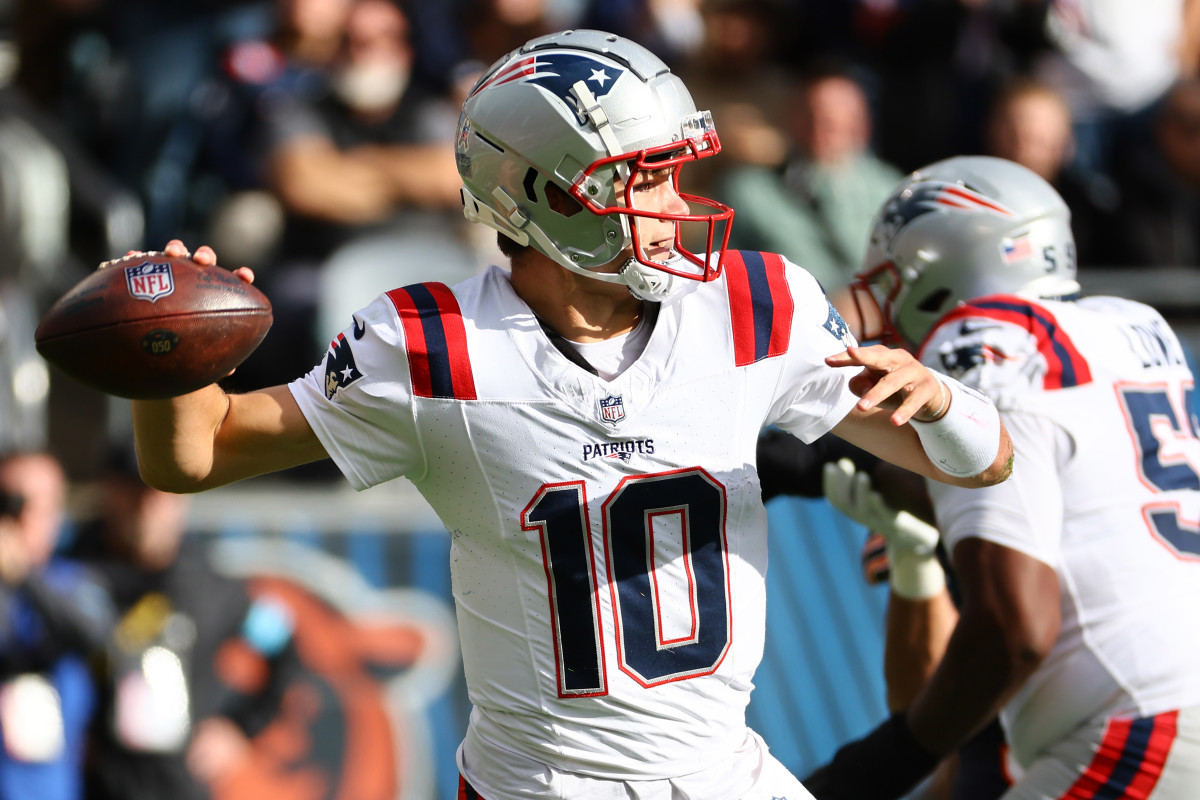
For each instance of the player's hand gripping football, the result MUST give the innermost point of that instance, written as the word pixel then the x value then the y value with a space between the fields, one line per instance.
pixel 155 325
pixel 204 256
pixel 914 571
pixel 893 379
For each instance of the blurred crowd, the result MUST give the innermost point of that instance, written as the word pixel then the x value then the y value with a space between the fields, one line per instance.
pixel 130 669
pixel 310 140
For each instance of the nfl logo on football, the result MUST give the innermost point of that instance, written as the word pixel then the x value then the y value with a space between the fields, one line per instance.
pixel 612 409
pixel 150 281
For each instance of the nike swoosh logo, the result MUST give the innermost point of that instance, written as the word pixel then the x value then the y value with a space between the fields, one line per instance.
pixel 967 327
pixel 360 328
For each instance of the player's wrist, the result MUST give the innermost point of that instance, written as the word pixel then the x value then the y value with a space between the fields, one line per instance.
pixel 964 441
pixel 940 411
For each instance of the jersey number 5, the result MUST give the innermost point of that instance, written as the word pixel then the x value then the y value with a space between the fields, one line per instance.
pixel 667 573
pixel 1169 453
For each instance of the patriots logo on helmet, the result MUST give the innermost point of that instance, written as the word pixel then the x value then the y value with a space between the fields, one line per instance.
pixel 557 73
pixel 924 197
pixel 340 369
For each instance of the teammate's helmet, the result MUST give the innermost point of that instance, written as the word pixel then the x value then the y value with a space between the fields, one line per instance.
pixel 576 115
pixel 960 229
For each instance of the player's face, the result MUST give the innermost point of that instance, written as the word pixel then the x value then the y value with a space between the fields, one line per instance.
pixel 655 191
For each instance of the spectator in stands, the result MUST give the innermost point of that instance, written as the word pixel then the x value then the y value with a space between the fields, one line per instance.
pixel 736 74
pixel 815 208
pixel 1113 62
pixel 291 64
pixel 356 168
pixel 1160 192
pixel 1030 123
pixel 672 29
pixel 53 616
pixel 168 726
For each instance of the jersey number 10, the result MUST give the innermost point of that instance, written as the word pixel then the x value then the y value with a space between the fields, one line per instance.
pixel 688 502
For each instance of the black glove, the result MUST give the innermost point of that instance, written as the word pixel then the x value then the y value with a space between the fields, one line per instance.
pixel 883 765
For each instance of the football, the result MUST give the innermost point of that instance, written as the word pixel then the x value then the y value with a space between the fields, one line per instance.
pixel 152 326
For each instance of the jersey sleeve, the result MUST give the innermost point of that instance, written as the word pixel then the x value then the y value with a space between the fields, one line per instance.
pixel 811 396
pixel 359 400
pixel 1024 513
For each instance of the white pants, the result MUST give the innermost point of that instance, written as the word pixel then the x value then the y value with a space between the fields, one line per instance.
pixel 749 773
pixel 1153 758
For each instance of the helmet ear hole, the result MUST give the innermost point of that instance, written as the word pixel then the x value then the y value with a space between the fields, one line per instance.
pixel 530 177
pixel 560 202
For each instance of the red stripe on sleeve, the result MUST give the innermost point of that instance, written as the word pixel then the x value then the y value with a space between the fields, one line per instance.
pixel 741 307
pixel 783 304
pixel 414 342
pixel 456 341
pixel 1066 366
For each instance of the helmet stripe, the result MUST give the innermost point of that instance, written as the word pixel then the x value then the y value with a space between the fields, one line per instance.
pixel 959 197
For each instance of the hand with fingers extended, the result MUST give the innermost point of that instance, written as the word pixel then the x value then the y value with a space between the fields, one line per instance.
pixel 914 571
pixel 892 378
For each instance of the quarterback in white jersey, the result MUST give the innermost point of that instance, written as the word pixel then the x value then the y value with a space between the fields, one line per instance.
pixel 1080 576
pixel 608 538
pixel 585 425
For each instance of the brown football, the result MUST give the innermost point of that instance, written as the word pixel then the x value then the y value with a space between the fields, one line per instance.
pixel 153 326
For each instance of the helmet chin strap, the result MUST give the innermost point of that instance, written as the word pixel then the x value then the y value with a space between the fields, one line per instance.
pixel 648 283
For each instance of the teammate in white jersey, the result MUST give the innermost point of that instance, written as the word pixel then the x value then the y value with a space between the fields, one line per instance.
pixel 608 537
pixel 1080 576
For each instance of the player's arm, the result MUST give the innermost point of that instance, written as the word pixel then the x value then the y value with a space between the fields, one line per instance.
pixel 921 615
pixel 955 435
pixel 1009 621
pixel 209 438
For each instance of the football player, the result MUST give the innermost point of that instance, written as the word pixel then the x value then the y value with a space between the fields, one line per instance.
pixel 1080 577
pixel 584 424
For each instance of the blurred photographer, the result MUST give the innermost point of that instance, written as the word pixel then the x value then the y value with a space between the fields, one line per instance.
pixel 170 724
pixel 53 616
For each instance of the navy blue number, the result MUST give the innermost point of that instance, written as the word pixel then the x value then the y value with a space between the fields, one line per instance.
pixel 1153 420
pixel 559 513
pixel 697 504
pixel 691 505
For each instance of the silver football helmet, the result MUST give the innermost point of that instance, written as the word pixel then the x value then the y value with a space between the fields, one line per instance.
pixel 960 229
pixel 577 115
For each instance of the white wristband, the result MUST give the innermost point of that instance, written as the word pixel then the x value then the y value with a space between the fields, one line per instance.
pixel 965 440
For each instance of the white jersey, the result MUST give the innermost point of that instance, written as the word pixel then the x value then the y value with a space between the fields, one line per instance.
pixel 1105 489
pixel 608 537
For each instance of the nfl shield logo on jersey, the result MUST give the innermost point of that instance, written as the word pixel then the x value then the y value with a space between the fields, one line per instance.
pixel 612 409
pixel 148 281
